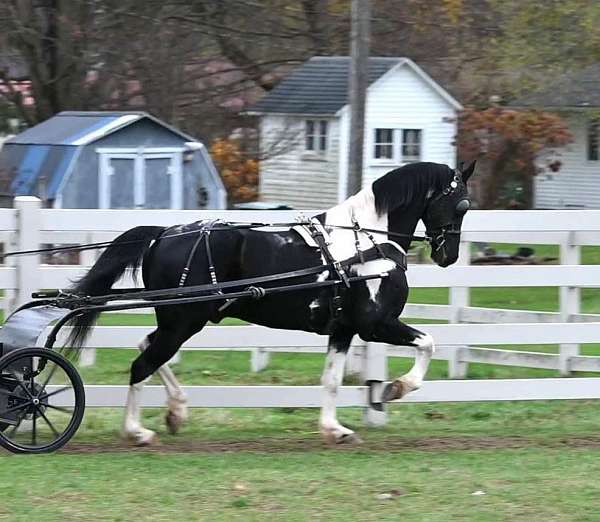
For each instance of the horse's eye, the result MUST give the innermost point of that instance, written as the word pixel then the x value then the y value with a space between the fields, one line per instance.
pixel 462 206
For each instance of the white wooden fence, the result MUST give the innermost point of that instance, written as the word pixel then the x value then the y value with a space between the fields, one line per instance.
pixel 28 226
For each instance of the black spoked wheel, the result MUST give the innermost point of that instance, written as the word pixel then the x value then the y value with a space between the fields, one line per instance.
pixel 42 400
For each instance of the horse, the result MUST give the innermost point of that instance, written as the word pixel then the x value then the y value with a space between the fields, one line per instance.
pixel 389 208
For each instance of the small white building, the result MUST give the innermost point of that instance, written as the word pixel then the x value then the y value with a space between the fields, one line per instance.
pixel 304 128
pixel 576 98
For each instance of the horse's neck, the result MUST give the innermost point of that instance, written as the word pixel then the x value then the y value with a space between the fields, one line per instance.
pixel 360 207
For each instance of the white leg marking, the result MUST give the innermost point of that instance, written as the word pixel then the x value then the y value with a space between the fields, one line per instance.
pixel 425 348
pixel 331 380
pixel 132 428
pixel 177 411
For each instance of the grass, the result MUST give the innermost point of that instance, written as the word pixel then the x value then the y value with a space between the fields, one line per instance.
pixel 532 460
pixel 315 486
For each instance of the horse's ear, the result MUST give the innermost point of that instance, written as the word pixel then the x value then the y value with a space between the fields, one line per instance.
pixel 468 172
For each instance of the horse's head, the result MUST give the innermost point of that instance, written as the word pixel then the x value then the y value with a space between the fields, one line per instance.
pixel 444 214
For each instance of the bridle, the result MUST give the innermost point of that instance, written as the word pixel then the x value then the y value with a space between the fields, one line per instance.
pixel 438 239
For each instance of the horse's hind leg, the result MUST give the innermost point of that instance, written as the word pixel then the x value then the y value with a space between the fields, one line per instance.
pixel 164 343
pixel 333 374
pixel 177 411
pixel 398 333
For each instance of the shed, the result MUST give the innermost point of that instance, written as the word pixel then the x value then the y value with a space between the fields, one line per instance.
pixel 575 96
pixel 304 127
pixel 111 160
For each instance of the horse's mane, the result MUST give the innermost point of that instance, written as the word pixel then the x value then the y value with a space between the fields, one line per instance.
pixel 405 185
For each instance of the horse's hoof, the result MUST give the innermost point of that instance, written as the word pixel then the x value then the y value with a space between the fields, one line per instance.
pixel 174 422
pixel 142 439
pixel 349 439
pixel 392 391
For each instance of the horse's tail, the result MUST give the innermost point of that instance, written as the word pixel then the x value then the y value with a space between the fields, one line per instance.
pixel 126 251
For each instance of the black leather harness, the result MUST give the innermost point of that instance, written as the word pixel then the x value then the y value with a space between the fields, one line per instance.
pixel 338 269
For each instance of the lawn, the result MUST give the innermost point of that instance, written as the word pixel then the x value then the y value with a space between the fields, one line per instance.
pixel 432 462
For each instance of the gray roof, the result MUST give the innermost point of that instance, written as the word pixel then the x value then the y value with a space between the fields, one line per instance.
pixel 320 86
pixel 576 89
pixel 82 127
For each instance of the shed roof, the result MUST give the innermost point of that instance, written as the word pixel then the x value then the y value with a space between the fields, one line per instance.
pixel 575 89
pixel 320 86
pixel 80 128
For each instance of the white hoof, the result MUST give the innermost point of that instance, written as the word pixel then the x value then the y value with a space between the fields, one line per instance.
pixel 339 435
pixel 142 437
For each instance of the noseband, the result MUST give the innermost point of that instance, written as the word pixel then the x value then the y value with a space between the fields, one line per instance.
pixel 449 228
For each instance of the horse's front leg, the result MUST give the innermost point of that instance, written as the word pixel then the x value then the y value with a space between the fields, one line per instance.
pixel 397 333
pixel 333 374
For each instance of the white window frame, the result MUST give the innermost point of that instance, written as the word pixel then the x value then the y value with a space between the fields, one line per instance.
pixel 139 156
pixel 402 143
pixel 397 158
pixel 317 135
pixel 392 143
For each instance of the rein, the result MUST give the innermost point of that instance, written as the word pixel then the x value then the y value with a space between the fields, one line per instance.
pixel 223 228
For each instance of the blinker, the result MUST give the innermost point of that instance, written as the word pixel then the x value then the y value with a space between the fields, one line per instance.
pixel 462 206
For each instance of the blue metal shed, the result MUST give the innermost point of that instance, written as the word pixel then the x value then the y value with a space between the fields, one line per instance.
pixel 111 160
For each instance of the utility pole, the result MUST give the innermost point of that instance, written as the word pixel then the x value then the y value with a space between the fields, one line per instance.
pixel 358 83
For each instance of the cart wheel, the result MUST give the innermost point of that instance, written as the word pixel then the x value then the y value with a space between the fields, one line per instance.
pixel 42 400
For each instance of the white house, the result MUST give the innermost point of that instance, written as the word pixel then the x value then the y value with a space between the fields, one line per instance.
pixel 304 128
pixel 576 97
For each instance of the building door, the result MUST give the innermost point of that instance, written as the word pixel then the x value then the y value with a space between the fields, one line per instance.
pixel 140 179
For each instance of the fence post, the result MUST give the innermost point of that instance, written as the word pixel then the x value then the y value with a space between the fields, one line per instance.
pixel 354 361
pixel 259 359
pixel 375 369
pixel 87 356
pixel 27 238
pixel 459 299
pixel 570 300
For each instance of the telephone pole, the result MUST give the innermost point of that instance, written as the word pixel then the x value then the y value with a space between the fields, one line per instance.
pixel 358 82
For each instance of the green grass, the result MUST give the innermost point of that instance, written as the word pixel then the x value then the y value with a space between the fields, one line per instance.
pixel 301 487
pixel 314 486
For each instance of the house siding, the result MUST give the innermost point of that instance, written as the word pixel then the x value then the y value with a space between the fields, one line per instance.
pixel 400 99
pixel 289 174
pixel 577 183
pixel 403 100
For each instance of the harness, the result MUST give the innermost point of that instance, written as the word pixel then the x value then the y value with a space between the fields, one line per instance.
pixel 310 230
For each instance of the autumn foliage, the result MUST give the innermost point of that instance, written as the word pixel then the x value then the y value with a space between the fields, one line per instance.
pixel 239 173
pixel 512 143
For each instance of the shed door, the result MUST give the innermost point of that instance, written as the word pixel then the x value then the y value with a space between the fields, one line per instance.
pixel 162 177
pixel 122 183
pixel 142 180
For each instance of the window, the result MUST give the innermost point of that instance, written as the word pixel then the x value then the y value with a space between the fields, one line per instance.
pixel 316 135
pixel 384 143
pixel 397 145
pixel 593 140
pixel 411 145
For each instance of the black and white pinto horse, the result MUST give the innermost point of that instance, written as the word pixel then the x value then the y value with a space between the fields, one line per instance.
pixel 394 203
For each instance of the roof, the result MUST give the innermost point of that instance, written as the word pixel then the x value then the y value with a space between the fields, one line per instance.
pixel 80 128
pixel 575 89
pixel 320 86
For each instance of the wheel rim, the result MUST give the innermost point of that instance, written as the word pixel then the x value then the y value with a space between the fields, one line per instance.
pixel 42 401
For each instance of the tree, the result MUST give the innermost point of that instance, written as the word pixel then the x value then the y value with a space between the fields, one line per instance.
pixel 239 174
pixel 511 142
pixel 543 38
